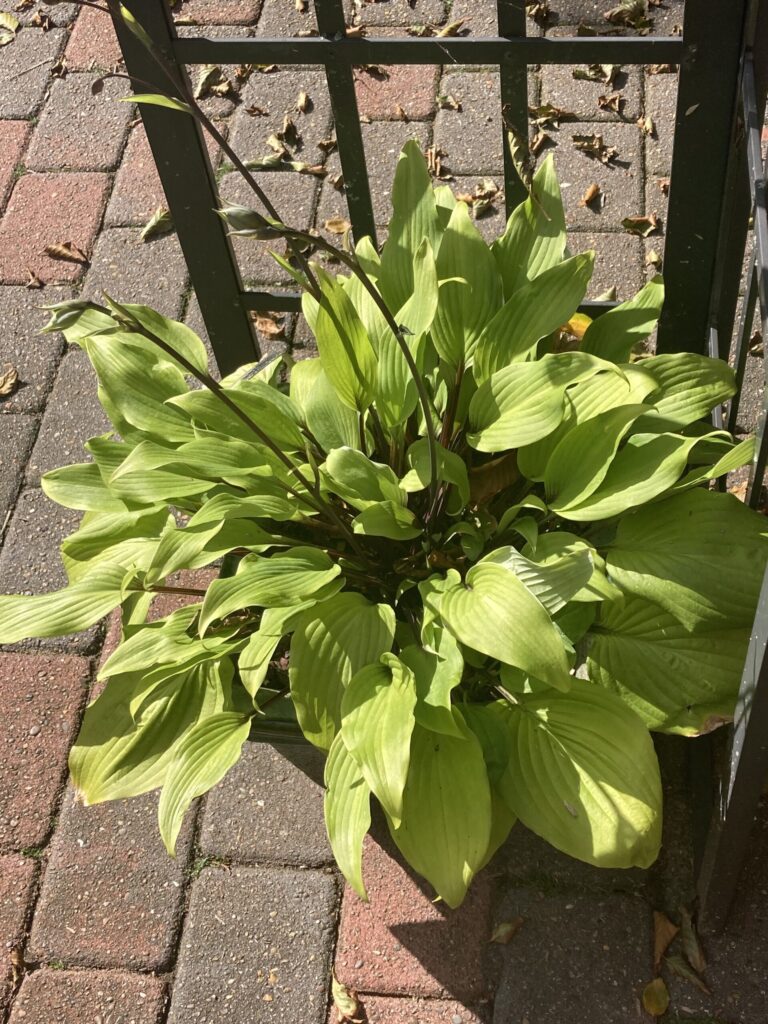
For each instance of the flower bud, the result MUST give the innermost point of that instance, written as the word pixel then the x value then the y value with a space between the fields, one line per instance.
pixel 65 314
pixel 250 224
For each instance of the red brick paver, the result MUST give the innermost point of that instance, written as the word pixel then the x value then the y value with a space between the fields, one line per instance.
pixel 387 1010
pixel 46 209
pixel 402 943
pixel 17 876
pixel 93 43
pixel 13 137
pixel 88 997
pixel 397 92
pixel 45 693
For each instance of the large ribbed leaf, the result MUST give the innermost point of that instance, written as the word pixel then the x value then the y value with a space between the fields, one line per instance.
pixel 552 548
pixel 689 385
pixel 495 613
pixel 282 579
pixel 470 288
pixel 583 775
pixel 553 584
pixel 699 555
pixel 347 813
pixel 535 238
pixel 181 338
pixel 330 644
pixel 334 424
pixel 201 759
pixel 360 481
pixel 376 724
pixel 64 611
pixel 446 820
pixel 387 519
pixel 81 487
pixel 614 334
pixel 436 672
pixel 677 681
pixel 535 310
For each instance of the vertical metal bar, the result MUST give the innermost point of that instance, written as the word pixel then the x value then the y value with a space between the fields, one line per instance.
pixel 713 34
pixel 514 97
pixel 177 144
pixel 349 136
pixel 746 317
pixel 748 765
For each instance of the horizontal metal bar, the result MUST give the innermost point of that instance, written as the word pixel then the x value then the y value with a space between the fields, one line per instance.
pixel 461 50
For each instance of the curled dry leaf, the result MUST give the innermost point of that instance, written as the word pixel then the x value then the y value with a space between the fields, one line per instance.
pixel 547 114
pixel 270 324
pixel 504 933
pixel 594 147
pixel 9 380
pixel 337 181
pixel 653 259
pixel 647 127
pixel 209 75
pixel 68 252
pixel 327 145
pixel 316 170
pixel 664 932
pixel 662 69
pixel 276 145
pixel 43 21
pixel 60 69
pixel 612 101
pixel 243 72
pixel 434 157
pixel 345 1002
pixel 254 111
pixel 33 281
pixel 679 966
pixel 160 223
pixel 539 141
pixel 663 184
pixel 656 998
pixel 9 26
pixel 304 103
pixel 453 28
pixel 630 14
pixel 337 225
pixel 289 133
pixel 605 73
pixel 355 32
pixel 400 113
pixel 538 11
pixel 691 945
pixel 592 195
pixel 448 102
pixel 642 225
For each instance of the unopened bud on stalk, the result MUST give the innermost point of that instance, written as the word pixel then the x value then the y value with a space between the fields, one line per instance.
pixel 65 314
pixel 250 224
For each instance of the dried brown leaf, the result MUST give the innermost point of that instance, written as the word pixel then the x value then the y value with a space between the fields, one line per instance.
pixel 663 933
pixel 43 21
pixel 642 225
pixel 663 184
pixel 594 147
pixel 653 259
pixel 453 28
pixel 661 69
pixel 160 223
pixel 656 998
pixel 605 73
pixel 316 170
pixel 592 195
pixel 355 32
pixel 630 14
pixel 448 102
pixel 345 1003
pixel 254 111
pixel 243 72
pixel 270 324
pixel 9 380
pixel 289 134
pixel 691 945
pixel 679 966
pixel 66 251
pixel 612 101
pixel 337 181
pixel 276 145
pixel 60 68
pixel 209 76
pixel 326 145
pixel 9 26
pixel 547 114
pixel 506 931
pixel 33 281
pixel 400 113
pixel 539 141
pixel 647 127
pixel 538 11
pixel 337 225
pixel 304 103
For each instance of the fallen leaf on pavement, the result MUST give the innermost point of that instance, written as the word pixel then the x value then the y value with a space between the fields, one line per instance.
pixel 630 14
pixel 66 251
pixel 594 147
pixel 656 997
pixel 271 325
pixel 679 966
pixel 663 933
pixel 337 225
pixel 160 223
pixel 605 73
pixel 643 225
pixel 504 933
pixel 647 127
pixel 662 69
pixel 9 26
pixel 592 194
pixel 33 280
pixel 345 1003
pixel 613 101
pixel 691 945
pixel 9 381
pixel 448 102
pixel 547 115
pixel 451 29
pixel 304 104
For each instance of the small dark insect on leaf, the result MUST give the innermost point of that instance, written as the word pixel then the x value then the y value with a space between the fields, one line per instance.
pixel 642 225
pixel 678 965
pixel 594 147
pixel 656 998
pixel 97 86
pixel 592 195
pixel 160 223
pixel 33 281
pixel 664 932
pixel 448 102
pixel 605 73
pixel 66 251
pixel 9 380
pixel 453 28
pixel 539 12
pixel 304 103
pixel 662 69
pixel 612 101
pixel 691 945
pixel 504 933
pixel 254 111
pixel 547 115
pixel 630 14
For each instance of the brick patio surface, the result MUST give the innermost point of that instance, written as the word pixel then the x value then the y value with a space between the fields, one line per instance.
pixel 97 924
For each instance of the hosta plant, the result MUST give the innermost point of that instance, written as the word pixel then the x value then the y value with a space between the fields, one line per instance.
pixel 478 527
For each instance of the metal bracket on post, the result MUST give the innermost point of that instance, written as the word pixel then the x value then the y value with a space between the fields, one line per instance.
pixel 706 102
pixel 179 150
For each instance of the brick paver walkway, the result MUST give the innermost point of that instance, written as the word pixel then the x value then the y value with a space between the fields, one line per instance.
pixel 97 924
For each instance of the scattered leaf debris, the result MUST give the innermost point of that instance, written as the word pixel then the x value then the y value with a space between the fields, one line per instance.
pixel 481 200
pixel 694 954
pixel 605 73
pixel 448 102
pixel 504 932
pixel 337 225
pixel 613 101
pixel 630 14
pixel 641 225
pixel 160 223
pixel 548 115
pixel 345 1002
pixel 289 134
pixel 434 157
pixel 664 932
pixel 662 69
pixel 592 197
pixel 33 281
pixel 9 26
pixel 43 21
pixel 647 126
pixel 539 12
pixel 213 82
pixel 594 147
pixel 270 324
pixel 304 102
pixel 679 966
pixel 9 380
pixel 656 997
pixel 68 252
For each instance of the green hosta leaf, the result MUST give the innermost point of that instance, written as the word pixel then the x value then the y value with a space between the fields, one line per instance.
pixel 343 343
pixel 418 312
pixel 281 579
pixel 330 644
pixel 677 681
pixel 81 487
pixel 376 724
pixel 101 532
pixel 436 672
pixel 396 394
pixel 414 218
pixel 180 337
pixel 347 813
pixel 360 481
pixel 451 468
pixel 495 613
pixel 201 759
pixel 699 555
pixel 387 519
pixel 535 238
pixel 532 312
pixel 446 817
pixel 487 722
pixel 552 548
pixel 470 288
pixel 273 504
pixel 735 457
pixel 689 385
pixel 129 733
pixel 64 611
pixel 583 775
pixel 580 462
pixel 192 546
pixel 525 401
pixel 553 584
pixel 614 334
pixel 334 424
pixel 153 473
pixel 158 100
pixel 270 410
pixel 135 385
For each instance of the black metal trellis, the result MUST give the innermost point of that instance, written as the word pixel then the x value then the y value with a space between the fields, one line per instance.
pixel 709 204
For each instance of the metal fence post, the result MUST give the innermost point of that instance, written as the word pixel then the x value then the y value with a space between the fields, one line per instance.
pixel 179 150
pixel 514 97
pixel 706 103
